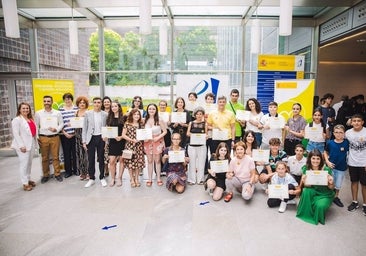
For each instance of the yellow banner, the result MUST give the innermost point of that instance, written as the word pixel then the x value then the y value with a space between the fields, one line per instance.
pixel 281 63
pixel 54 88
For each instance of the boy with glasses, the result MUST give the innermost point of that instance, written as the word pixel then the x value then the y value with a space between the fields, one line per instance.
pixel 335 156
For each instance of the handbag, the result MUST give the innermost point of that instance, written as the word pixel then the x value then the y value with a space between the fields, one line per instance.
pixel 127 154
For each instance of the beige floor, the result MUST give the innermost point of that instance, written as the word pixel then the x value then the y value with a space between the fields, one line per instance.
pixel 67 219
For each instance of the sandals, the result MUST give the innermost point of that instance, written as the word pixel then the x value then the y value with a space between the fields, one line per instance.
pixel 31 183
pixel 111 184
pixel 119 182
pixel 228 197
pixel 27 187
pixel 148 183
pixel 160 183
pixel 133 184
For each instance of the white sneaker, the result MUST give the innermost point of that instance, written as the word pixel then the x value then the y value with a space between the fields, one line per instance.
pixel 89 183
pixel 282 207
pixel 293 201
pixel 103 182
pixel 210 192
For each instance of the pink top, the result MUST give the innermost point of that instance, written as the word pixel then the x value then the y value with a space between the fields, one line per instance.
pixel 242 167
pixel 32 127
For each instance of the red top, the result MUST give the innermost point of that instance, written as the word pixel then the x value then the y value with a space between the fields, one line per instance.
pixel 32 127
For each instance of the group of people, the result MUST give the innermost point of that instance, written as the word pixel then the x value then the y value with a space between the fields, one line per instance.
pixel 208 144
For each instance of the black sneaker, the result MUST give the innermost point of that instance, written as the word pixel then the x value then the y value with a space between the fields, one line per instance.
pixel 58 178
pixel 364 209
pixel 44 179
pixel 338 202
pixel 353 206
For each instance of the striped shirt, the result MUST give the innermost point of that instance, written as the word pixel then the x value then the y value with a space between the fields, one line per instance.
pixel 67 114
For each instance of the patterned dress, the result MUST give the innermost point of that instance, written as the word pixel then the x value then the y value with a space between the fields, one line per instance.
pixel 81 154
pixel 174 171
pixel 137 162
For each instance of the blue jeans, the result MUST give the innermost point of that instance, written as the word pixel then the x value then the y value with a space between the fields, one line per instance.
pixel 315 145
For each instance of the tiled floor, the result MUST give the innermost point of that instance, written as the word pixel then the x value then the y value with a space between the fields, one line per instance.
pixel 67 219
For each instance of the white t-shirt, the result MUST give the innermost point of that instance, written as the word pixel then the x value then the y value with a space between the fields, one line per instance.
pixel 295 165
pixel 270 133
pixel 357 147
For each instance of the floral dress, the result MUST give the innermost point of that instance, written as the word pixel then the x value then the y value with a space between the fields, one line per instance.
pixel 137 162
pixel 174 171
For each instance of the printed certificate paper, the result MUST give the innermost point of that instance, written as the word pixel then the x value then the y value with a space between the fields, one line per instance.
pixel 260 155
pixel 243 115
pixel 110 132
pixel 276 123
pixel 316 178
pixel 77 122
pixel 164 116
pixel 314 133
pixel 198 139
pixel 219 166
pixel 220 134
pixel 179 117
pixel 144 134
pixel 48 122
pixel 278 191
pixel 176 156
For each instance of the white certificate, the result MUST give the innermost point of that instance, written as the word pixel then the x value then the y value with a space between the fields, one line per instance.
pixel 110 132
pixel 198 139
pixel 276 123
pixel 260 155
pixel 220 134
pixel 219 166
pixel 164 116
pixel 242 115
pixel 191 105
pixel 48 122
pixel 316 178
pixel 209 108
pixel 144 134
pixel 314 133
pixel 176 156
pixel 77 122
pixel 278 191
pixel 179 117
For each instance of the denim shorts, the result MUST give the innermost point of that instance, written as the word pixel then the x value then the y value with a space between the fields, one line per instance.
pixel 315 145
pixel 338 177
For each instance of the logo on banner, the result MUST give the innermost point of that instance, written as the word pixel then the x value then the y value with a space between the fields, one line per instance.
pixel 205 86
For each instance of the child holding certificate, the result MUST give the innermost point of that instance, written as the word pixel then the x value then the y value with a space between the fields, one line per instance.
pixel 315 199
pixel 282 177
pixel 197 151
pixel 216 181
pixel 315 132
pixel 137 162
pixel 176 169
pixel 241 174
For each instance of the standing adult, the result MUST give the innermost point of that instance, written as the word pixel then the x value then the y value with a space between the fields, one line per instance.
pixel 154 148
pixel 92 140
pixel 106 107
pixel 82 103
pixel 255 116
pixel 24 142
pixel 233 105
pixel 49 122
pixel 181 127
pixel 68 142
pixel 116 145
pixel 223 120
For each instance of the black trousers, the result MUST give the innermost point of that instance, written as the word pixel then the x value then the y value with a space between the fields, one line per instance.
pixel 96 144
pixel 69 150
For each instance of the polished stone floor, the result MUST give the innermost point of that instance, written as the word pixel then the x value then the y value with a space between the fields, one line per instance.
pixel 67 219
